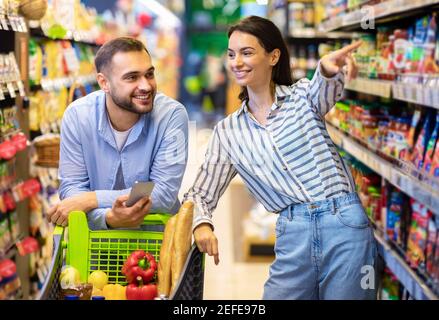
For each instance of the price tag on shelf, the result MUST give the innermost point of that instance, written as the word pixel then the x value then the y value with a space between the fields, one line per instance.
pixel 11 89
pixel 427 96
pixel 22 24
pixel 435 92
pixel 12 23
pixel 4 23
pixel 21 88
pixel 414 94
pixel 2 96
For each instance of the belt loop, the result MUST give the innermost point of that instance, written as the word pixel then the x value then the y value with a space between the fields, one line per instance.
pixel 290 213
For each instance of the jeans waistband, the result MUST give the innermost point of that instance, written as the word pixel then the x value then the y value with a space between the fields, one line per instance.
pixel 332 204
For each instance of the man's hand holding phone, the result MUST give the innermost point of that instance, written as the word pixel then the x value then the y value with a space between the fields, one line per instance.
pixel 129 210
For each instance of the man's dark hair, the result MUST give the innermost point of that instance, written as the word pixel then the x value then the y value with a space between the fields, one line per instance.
pixel 270 38
pixel 109 49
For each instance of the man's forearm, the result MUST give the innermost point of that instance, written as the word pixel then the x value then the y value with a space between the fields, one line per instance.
pixel 90 201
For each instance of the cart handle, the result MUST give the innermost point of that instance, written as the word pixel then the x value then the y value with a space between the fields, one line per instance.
pixel 156 219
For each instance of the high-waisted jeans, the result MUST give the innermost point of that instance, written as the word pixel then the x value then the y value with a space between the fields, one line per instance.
pixel 324 250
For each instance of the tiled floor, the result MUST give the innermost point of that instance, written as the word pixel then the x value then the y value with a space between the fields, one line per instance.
pixel 230 279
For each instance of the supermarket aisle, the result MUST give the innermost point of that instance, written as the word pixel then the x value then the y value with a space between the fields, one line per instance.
pixel 230 279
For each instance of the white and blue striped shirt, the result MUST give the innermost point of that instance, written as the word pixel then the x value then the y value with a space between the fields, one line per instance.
pixel 290 160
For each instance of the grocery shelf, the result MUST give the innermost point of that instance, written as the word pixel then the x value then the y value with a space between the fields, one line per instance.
pixel 6 93
pixel 414 93
pixel 57 84
pixel 77 37
pixel 417 93
pixel 379 88
pixel 415 188
pixel 389 10
pixel 6 26
pixel 417 288
pixel 312 34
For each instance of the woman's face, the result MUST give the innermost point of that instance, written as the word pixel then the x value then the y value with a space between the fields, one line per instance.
pixel 248 61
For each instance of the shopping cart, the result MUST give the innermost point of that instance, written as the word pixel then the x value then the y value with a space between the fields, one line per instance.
pixel 107 250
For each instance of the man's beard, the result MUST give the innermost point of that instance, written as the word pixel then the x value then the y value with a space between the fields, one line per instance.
pixel 126 104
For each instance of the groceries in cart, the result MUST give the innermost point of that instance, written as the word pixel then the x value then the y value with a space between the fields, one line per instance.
pixel 142 276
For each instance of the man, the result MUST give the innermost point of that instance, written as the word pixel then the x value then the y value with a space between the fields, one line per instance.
pixel 123 133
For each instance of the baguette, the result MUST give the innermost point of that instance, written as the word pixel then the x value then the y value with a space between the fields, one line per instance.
pixel 182 241
pixel 164 265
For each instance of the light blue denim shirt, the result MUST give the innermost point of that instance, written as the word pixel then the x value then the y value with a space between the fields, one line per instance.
pixel 156 150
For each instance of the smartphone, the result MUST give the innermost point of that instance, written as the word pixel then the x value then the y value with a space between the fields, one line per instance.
pixel 138 191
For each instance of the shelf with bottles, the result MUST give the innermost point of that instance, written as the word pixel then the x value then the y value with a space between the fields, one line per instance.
pixel 70 20
pixel 401 63
pixel 405 229
pixel 38 33
pixel 303 19
pixel 317 36
pixel 304 56
pixel 399 147
pixel 348 15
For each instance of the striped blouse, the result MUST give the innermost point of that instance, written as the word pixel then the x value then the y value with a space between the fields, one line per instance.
pixel 290 160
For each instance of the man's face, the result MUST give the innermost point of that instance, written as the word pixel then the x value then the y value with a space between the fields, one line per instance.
pixel 131 81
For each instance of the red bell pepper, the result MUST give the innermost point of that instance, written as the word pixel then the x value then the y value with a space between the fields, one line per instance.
pixel 139 263
pixel 141 291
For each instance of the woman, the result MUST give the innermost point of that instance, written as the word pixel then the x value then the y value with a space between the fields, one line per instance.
pixel 278 144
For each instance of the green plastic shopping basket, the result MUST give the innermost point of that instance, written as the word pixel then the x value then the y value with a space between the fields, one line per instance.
pixel 107 250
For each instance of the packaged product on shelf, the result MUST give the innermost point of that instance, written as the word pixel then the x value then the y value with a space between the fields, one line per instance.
pixel 383 53
pixel 417 239
pixel 70 60
pixel 431 146
pixel 35 62
pixel 296 18
pixel 369 119
pixel 390 286
pixel 420 148
pixel 396 144
pixel 400 46
pixel 417 37
pixel 435 266
pixel 9 281
pixel 427 63
pixel 430 247
pixel 5 234
pixel 364 53
pixel 14 225
pixel 411 134
pixel 308 15
pixel 434 170
pixel 393 216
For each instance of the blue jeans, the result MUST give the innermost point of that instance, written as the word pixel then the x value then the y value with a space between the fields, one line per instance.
pixel 324 250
